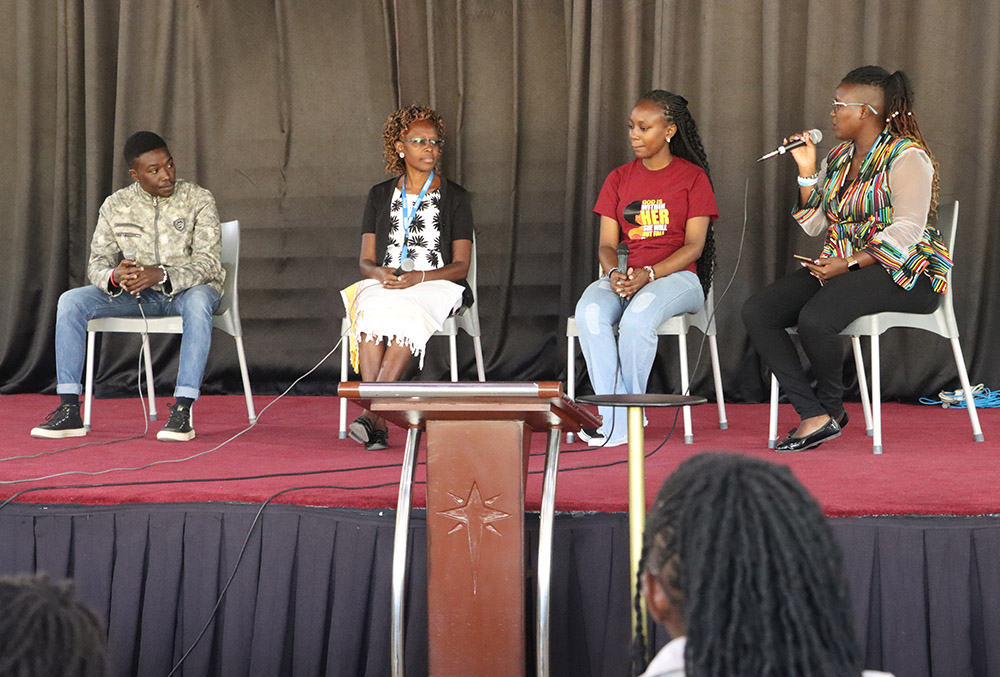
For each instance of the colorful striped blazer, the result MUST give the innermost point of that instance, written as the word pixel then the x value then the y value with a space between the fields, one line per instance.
pixel 864 209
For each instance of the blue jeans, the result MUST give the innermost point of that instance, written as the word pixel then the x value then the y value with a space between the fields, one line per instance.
pixel 79 306
pixel 599 309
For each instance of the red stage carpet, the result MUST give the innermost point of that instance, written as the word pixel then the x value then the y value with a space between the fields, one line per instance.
pixel 931 466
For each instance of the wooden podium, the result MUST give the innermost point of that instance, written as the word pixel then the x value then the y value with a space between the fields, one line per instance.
pixel 478 440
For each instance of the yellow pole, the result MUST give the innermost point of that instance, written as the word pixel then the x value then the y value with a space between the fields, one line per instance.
pixel 636 502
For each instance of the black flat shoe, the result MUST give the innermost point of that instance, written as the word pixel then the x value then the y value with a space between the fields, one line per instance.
pixel 360 430
pixel 841 421
pixel 810 441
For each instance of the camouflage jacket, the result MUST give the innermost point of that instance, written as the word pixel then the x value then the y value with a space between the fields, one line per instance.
pixel 180 232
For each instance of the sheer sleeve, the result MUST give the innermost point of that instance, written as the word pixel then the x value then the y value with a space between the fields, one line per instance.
pixel 812 215
pixel 911 177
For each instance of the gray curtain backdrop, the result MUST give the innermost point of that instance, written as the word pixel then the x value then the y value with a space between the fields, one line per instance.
pixel 277 106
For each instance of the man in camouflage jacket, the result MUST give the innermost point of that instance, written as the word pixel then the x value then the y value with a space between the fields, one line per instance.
pixel 155 251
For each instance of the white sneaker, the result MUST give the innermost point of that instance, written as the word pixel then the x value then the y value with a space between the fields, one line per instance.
pixel 597 439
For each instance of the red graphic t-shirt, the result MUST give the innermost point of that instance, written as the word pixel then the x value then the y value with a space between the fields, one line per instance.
pixel 652 207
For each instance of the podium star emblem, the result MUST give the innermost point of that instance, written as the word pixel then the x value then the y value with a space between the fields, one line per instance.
pixel 476 515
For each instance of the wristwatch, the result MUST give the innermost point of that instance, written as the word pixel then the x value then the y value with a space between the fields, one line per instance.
pixel 852 263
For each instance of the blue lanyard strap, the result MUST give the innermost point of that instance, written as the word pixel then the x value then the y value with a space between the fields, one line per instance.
pixel 408 215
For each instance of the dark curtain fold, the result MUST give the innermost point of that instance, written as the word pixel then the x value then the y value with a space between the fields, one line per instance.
pixel 278 106
pixel 311 593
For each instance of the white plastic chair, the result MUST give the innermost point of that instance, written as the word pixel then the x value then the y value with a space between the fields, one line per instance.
pixel 678 325
pixel 227 318
pixel 941 322
pixel 466 319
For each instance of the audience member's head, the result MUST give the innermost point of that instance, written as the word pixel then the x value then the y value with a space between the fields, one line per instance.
pixel 45 631
pixel 738 557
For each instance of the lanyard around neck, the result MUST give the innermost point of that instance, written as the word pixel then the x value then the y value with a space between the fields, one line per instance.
pixel 409 214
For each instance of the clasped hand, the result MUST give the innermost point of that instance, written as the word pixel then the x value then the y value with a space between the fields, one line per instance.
pixel 402 281
pixel 134 279
pixel 628 284
pixel 825 269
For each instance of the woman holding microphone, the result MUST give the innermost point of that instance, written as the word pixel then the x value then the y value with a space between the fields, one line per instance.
pixel 871 197
pixel 660 205
pixel 416 244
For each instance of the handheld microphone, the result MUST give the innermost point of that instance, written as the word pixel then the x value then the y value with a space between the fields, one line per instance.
pixel 404 267
pixel 622 253
pixel 129 253
pixel 814 134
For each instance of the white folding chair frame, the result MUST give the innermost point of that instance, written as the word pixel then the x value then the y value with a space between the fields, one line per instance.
pixel 941 322
pixel 226 318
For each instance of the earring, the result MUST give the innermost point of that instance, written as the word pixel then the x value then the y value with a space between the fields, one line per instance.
pixel 668 139
pixel 402 155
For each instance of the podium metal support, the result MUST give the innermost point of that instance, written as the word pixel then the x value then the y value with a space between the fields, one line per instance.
pixel 399 546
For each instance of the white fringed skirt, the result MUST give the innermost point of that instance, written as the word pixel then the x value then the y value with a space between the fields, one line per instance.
pixel 407 316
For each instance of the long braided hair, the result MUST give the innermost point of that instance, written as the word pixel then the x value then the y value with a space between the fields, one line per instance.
pixel 897 93
pixel 45 630
pixel 686 144
pixel 746 555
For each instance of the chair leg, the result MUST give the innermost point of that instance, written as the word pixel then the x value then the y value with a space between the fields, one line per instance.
pixel 453 350
pixel 772 418
pixel 89 381
pixel 251 414
pixel 477 345
pixel 876 396
pixel 859 366
pixel 713 349
pixel 685 386
pixel 344 350
pixel 970 402
pixel 150 390
pixel 570 376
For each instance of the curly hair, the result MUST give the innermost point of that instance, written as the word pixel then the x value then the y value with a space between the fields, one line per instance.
pixel 897 93
pixel 396 125
pixel 746 555
pixel 687 144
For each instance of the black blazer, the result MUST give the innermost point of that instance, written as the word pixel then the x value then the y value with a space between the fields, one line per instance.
pixel 455 222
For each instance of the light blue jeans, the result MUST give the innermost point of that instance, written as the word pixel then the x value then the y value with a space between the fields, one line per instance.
pixel 79 306
pixel 599 309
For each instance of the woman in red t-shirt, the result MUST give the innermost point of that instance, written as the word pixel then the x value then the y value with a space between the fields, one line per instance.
pixel 661 205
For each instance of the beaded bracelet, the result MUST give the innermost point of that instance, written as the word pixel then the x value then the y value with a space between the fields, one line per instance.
pixel 806 181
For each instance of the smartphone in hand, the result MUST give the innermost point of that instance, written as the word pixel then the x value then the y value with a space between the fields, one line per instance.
pixel 807 259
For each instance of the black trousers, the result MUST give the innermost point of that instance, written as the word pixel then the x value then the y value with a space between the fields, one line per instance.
pixel 821 312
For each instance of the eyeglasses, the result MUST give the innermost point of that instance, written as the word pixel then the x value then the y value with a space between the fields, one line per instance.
pixel 423 143
pixel 840 104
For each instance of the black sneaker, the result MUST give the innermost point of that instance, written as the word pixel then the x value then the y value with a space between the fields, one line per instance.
pixel 377 440
pixel 63 422
pixel 180 427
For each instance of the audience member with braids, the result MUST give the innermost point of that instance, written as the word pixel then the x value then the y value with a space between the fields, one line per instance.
pixel 418 216
pixel 742 569
pixel 872 197
pixel 661 204
pixel 45 631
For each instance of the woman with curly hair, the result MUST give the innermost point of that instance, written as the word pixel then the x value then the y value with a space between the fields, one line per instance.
pixel 416 244
pixel 661 205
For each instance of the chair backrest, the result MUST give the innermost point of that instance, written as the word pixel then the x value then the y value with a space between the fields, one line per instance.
pixel 227 315
pixel 947 225
pixel 468 318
